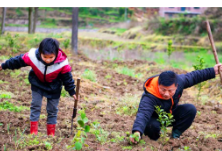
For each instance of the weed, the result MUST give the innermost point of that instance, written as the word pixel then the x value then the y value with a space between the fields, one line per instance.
pixel 15 74
pixel 26 81
pixel 101 135
pixel 66 43
pixel 129 72
pixel 12 42
pixel 187 148
pixel 127 147
pixel 128 105
pixel 169 48
pixel 48 145
pixel 108 76
pixel 117 138
pixel 64 93
pixel 211 135
pixel 4 57
pixel 11 107
pixel 88 74
pixel 5 96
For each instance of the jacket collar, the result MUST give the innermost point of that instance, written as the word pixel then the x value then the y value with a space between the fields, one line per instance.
pixel 59 58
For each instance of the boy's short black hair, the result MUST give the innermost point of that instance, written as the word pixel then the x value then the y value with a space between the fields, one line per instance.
pixel 49 46
pixel 167 78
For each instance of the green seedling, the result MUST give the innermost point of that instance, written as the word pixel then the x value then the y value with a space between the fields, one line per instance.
pixel 199 66
pixel 136 137
pixel 82 130
pixel 165 120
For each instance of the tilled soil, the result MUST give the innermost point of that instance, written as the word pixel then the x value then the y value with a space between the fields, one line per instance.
pixel 100 100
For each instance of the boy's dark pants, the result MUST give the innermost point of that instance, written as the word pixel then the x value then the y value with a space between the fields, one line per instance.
pixel 183 115
pixel 52 108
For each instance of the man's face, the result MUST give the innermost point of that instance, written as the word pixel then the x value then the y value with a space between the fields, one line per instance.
pixel 167 91
pixel 48 58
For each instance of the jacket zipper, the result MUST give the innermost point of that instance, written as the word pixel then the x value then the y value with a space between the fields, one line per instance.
pixel 45 73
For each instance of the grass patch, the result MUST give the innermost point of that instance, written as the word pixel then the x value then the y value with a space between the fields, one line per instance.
pixel 129 72
pixel 128 105
pixel 88 74
pixel 11 107
pixel 15 74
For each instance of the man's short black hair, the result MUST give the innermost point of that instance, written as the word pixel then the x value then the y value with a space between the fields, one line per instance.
pixel 49 46
pixel 167 78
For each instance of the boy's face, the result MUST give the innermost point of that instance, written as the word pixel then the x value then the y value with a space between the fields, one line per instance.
pixel 48 58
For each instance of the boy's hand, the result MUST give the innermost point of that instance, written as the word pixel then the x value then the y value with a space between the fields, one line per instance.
pixel 217 67
pixel 133 140
pixel 0 67
pixel 74 96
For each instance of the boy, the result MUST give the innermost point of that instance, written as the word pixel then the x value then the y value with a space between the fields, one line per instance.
pixel 50 69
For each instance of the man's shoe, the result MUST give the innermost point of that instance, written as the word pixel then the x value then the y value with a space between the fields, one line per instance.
pixel 176 134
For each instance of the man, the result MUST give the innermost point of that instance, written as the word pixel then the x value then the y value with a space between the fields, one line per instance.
pixel 165 90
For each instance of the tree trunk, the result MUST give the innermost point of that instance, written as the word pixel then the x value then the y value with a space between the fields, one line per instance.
pixel 75 13
pixel 30 20
pixel 3 20
pixel 35 19
pixel 125 13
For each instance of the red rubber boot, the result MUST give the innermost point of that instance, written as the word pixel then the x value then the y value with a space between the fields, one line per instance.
pixel 51 129
pixel 34 127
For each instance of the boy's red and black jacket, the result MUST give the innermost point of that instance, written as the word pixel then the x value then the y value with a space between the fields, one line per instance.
pixel 45 79
pixel 150 98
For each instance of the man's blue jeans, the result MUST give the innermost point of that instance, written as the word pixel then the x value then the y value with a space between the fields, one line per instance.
pixel 52 108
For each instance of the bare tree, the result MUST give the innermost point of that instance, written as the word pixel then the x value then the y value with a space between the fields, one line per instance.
pixel 35 19
pixel 75 14
pixel 3 20
pixel 30 20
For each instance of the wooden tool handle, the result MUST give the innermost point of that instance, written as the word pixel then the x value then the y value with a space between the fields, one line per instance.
pixel 77 92
pixel 213 47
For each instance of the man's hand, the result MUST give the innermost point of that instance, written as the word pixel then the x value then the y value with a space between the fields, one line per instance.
pixel 134 140
pixel 0 67
pixel 74 96
pixel 217 67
